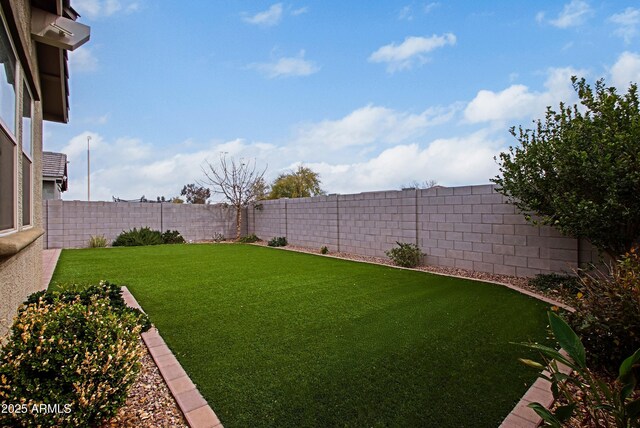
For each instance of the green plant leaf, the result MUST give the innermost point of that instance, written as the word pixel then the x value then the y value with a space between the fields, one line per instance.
pixel 531 363
pixel 550 353
pixel 627 377
pixel 545 414
pixel 568 339
pixel 563 413
pixel 633 409
pixel 627 365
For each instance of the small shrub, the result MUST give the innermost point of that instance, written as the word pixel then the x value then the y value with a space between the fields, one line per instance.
pixel 85 292
pixel 98 241
pixel 607 315
pixel 218 237
pixel 279 241
pixel 405 255
pixel 605 404
pixel 249 239
pixel 172 237
pixel 79 352
pixel 136 238
pixel 324 250
pixel 553 281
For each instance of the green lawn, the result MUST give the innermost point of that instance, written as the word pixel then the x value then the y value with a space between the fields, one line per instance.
pixel 276 338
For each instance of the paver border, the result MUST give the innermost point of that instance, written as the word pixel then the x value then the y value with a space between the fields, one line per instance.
pixel 523 416
pixel 194 407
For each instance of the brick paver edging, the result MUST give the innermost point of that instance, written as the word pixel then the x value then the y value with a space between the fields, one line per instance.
pixel 540 392
pixel 194 407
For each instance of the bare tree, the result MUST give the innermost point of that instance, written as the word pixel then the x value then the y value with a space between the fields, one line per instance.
pixel 415 184
pixel 236 181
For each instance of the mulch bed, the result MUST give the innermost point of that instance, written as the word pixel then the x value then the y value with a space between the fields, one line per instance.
pixel 150 402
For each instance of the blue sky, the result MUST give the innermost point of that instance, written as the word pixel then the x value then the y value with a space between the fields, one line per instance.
pixel 371 95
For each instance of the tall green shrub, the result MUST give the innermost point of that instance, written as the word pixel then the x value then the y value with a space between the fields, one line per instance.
pixel 579 168
pixel 607 315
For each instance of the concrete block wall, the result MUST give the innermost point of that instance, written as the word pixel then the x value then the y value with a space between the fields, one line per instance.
pixel 371 223
pixel 70 224
pixel 267 219
pixel 473 228
pixel 312 222
pixel 470 227
pixel 197 222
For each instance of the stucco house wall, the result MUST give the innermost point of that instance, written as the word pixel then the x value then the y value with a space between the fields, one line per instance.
pixel 21 244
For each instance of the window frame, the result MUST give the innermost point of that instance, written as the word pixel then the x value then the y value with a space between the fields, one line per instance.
pixel 28 155
pixel 6 130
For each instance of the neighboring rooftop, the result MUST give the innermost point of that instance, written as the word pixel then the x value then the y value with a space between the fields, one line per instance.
pixel 54 166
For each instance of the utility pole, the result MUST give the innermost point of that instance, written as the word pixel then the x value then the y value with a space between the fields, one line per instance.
pixel 88 170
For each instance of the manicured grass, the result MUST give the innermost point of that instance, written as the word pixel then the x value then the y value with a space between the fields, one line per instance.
pixel 276 338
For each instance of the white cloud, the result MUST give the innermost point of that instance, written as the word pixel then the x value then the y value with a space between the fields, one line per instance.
pixel 128 168
pixel 573 14
pixel 300 11
pixel 413 49
pixel 287 67
pixel 370 125
pixel 625 70
pixel 98 120
pixel 83 60
pixel 406 13
pixel 267 18
pixel 451 161
pixel 430 6
pixel 95 9
pixel 627 22
pixel 518 101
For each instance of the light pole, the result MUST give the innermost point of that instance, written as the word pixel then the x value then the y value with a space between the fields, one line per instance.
pixel 88 170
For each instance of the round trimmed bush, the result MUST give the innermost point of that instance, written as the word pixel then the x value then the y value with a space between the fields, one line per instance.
pixel 78 357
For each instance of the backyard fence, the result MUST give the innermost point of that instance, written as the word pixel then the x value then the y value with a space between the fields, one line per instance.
pixel 469 227
pixel 70 224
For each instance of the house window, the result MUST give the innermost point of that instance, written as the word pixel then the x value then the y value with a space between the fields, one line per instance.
pixel 8 153
pixel 7 83
pixel 27 156
pixel 7 182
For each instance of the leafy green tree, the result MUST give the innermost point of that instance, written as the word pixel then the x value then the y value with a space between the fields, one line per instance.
pixel 302 183
pixel 261 189
pixel 195 194
pixel 579 168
